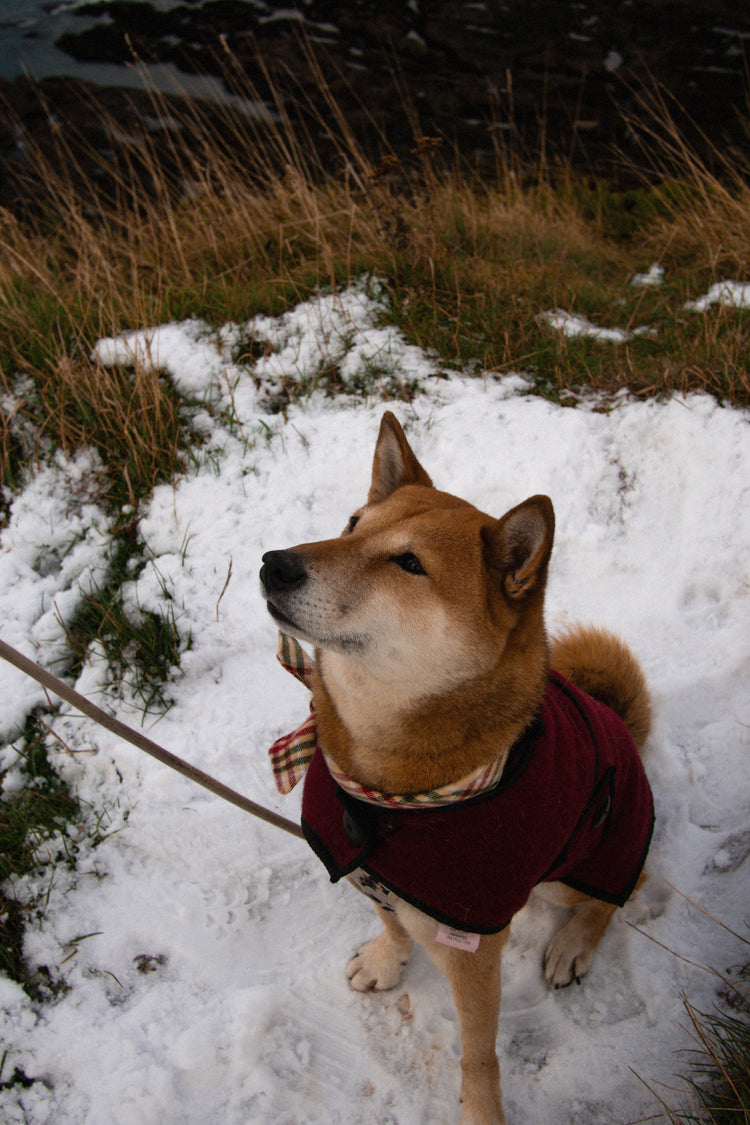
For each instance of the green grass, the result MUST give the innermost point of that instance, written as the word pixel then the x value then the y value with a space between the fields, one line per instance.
pixel 720 1078
pixel 718 1082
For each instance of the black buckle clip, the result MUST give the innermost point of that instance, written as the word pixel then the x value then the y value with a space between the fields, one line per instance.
pixel 605 792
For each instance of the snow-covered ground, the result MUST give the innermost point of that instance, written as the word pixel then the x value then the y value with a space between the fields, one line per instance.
pixel 203 950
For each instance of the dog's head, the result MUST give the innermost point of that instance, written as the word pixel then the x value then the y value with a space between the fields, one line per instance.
pixel 418 579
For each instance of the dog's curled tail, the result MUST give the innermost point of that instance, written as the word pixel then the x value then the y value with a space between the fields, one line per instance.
pixel 600 663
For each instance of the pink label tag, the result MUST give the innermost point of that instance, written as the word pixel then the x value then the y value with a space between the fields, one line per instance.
pixel 457 939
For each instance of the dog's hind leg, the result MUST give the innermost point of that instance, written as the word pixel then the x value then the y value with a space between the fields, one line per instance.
pixel 569 954
pixel 378 965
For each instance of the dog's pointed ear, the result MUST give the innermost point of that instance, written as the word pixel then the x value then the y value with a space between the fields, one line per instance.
pixel 394 464
pixel 519 546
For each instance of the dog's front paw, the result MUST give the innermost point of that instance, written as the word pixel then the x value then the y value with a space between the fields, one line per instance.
pixel 378 965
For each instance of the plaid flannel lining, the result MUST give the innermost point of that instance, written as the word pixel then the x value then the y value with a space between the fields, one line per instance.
pixel 292 754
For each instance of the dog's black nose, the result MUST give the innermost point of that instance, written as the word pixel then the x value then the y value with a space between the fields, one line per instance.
pixel 282 570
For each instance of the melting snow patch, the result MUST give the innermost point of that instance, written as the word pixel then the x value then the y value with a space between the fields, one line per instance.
pixel 190 352
pixel 54 549
pixel 730 294
pixel 572 326
pixel 654 275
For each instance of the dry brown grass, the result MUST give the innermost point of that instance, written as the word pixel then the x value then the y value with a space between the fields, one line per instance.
pixel 230 215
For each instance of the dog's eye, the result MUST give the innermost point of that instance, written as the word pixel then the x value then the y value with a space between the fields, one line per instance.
pixel 409 562
pixel 351 525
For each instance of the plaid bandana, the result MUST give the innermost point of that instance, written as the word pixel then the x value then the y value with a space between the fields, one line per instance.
pixel 292 754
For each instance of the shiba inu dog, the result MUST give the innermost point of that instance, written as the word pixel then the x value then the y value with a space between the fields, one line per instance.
pixel 456 758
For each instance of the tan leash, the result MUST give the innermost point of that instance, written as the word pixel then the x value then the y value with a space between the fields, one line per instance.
pixel 53 684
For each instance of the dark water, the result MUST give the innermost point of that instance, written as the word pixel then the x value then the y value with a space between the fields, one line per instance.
pixel 474 72
pixel 31 29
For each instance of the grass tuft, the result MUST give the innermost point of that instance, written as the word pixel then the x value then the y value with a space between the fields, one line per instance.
pixel 720 1078
pixel 716 1091
pixel 142 648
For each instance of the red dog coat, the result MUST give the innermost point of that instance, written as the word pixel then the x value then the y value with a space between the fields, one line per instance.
pixel 573 805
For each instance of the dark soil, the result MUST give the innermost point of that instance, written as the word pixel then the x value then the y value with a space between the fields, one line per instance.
pixel 538 75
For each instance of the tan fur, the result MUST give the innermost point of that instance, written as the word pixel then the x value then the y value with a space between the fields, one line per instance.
pixel 421 676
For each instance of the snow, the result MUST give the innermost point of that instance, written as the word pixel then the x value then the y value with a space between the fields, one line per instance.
pixel 55 545
pixel 203 950
pixel 732 294
pixel 654 275
pixel 572 324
